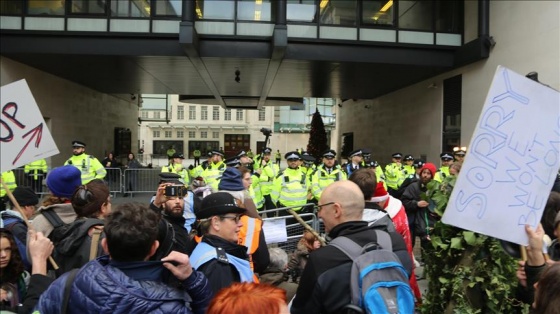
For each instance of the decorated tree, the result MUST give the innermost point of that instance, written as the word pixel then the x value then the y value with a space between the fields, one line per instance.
pixel 317 136
pixel 467 272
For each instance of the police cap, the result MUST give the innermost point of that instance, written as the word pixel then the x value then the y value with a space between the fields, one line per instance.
pixel 78 144
pixel 446 156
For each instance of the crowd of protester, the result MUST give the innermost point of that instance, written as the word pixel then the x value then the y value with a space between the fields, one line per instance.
pixel 198 246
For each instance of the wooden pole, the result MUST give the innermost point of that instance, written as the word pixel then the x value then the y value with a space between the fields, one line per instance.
pixel 29 226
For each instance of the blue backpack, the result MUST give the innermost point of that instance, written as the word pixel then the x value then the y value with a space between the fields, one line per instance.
pixel 378 282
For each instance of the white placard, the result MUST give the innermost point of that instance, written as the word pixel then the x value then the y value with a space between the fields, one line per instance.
pixel 512 160
pixel 275 230
pixel 24 137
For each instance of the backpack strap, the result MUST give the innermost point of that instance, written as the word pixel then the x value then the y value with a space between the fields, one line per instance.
pixel 52 217
pixel 67 288
pixel 353 249
pixel 95 236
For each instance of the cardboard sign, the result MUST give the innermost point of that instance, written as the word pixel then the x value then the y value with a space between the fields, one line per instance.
pixel 24 136
pixel 512 162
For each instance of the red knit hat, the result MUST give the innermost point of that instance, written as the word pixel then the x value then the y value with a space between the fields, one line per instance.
pixel 380 193
pixel 430 166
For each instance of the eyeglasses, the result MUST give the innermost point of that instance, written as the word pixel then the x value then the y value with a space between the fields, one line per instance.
pixel 235 218
pixel 319 207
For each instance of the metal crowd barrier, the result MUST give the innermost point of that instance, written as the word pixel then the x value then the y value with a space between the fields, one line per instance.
pixel 114 180
pixel 141 180
pixel 25 179
pixel 294 230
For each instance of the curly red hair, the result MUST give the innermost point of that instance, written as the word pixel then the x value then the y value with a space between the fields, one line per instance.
pixel 242 298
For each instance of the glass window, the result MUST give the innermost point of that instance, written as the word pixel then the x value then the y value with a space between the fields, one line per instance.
pixel 215 113
pixel 168 134
pixel 215 9
pixel 156 134
pixel 191 134
pixel 203 134
pixel 338 12
pixel 180 133
pixel 157 115
pixel 129 8
pixel 262 114
pixel 301 11
pixel 204 113
pixel 239 115
pixel 215 134
pixel 253 10
pixel 227 115
pixel 180 112
pixel 192 113
pixel 415 14
pixel 45 7
pixel 144 114
pixel 169 7
pixel 88 6
pixel 378 12
pixel 449 16
pixel 8 7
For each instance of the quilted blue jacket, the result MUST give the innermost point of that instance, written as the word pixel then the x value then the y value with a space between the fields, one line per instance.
pixel 100 287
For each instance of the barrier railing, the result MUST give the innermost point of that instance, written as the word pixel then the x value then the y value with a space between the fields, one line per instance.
pixel 141 180
pixel 294 230
pixel 27 179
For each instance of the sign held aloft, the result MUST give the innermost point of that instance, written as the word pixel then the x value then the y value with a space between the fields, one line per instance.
pixel 24 136
pixel 512 162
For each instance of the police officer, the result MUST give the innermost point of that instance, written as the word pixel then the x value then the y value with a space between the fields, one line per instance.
pixel 459 155
pixel 354 163
pixel 307 164
pixel 214 170
pixel 176 166
pixel 290 188
pixel 443 171
pixel 196 154
pixel 36 172
pixel 9 178
pixel 368 163
pixel 325 174
pixel 394 173
pixel 90 167
pixel 266 173
pixel 408 167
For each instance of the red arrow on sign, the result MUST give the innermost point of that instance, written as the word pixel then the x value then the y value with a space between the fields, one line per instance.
pixel 37 133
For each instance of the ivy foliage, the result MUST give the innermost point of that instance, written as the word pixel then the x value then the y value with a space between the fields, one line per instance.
pixel 467 272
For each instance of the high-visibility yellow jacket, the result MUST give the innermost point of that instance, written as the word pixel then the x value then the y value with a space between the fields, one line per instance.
pixel 269 172
pixel 441 173
pixel 178 169
pixel 36 169
pixel 321 178
pixel 9 178
pixel 290 188
pixel 213 173
pixel 393 174
pixel 90 167
pixel 407 170
pixel 255 192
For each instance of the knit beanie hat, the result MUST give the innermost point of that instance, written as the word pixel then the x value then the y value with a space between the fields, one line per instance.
pixel 380 193
pixel 231 180
pixel 63 181
pixel 25 196
pixel 430 166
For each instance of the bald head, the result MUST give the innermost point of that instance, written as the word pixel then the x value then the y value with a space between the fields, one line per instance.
pixel 348 195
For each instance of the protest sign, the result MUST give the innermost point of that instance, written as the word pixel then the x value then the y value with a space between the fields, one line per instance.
pixel 512 161
pixel 275 230
pixel 24 136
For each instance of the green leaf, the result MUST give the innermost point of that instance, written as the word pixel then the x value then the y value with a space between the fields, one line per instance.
pixel 470 237
pixel 456 243
pixel 443 280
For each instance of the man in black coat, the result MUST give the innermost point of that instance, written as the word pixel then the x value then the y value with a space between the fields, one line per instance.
pixel 325 282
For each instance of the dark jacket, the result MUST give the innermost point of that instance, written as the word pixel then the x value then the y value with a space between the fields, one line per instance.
pixel 325 283
pixel 180 236
pixel 410 199
pixel 103 286
pixel 276 277
pixel 222 274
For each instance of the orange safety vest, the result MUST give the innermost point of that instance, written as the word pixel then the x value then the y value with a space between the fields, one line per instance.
pixel 249 237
